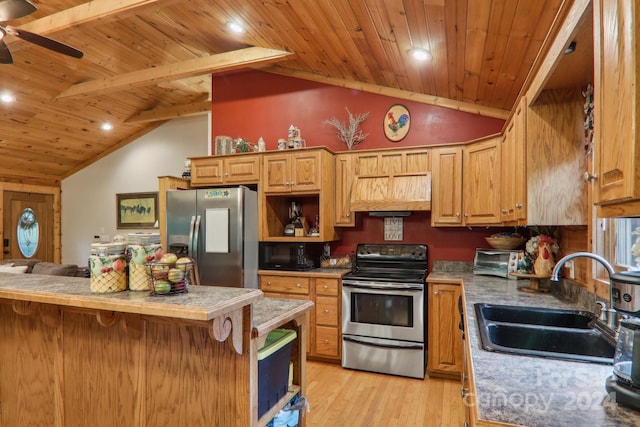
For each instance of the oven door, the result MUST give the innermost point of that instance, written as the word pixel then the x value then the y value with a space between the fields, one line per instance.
pixel 393 311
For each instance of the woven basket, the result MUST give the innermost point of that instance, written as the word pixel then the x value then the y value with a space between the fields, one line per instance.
pixel 169 279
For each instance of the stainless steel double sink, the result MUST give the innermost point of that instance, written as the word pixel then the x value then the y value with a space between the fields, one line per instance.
pixel 543 332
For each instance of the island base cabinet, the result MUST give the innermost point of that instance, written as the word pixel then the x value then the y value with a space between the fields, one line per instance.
pixel 67 368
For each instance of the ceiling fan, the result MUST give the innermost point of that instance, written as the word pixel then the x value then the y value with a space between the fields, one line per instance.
pixel 14 9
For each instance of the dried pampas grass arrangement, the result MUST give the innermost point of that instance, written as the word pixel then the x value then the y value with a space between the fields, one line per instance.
pixel 349 133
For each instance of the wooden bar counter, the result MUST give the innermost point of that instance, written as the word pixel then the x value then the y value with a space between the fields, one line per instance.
pixel 69 357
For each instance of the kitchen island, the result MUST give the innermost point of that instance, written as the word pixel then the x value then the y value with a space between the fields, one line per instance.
pixel 69 357
pixel 520 390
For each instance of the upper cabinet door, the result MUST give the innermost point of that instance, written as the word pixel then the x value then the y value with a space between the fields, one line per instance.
pixel 616 96
pixel 306 169
pixel 446 207
pixel 276 173
pixel 481 181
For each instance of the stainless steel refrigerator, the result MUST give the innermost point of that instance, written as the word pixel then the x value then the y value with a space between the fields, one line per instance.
pixel 218 228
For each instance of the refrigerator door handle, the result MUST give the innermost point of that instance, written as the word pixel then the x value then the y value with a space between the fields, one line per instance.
pixel 190 247
pixel 196 234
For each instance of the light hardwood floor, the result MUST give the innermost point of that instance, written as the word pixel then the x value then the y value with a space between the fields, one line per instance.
pixel 344 397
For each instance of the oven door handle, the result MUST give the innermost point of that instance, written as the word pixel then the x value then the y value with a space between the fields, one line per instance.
pixel 383 288
pixel 364 341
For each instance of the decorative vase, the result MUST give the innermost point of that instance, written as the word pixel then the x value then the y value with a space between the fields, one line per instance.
pixel 543 266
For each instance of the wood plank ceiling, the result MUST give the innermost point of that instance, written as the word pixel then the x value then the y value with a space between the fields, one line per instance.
pixel 146 61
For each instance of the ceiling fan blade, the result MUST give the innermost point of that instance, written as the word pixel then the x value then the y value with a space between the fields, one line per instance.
pixel 5 55
pixel 14 9
pixel 45 42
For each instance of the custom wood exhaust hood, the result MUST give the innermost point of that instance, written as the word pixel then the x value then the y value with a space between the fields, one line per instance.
pixel 401 192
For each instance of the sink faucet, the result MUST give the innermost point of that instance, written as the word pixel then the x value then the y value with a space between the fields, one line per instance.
pixel 611 312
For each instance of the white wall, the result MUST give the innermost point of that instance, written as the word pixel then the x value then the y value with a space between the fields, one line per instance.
pixel 88 200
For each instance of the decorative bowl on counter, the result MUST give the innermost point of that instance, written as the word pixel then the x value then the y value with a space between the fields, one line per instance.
pixel 505 243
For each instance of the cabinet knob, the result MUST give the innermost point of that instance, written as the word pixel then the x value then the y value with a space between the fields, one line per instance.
pixel 226 174
pixel 458 214
pixel 269 282
pixel 504 211
pixel 326 341
pixel 348 215
pixel 326 286
pixel 298 285
pixel 466 215
pixel 518 205
pixel 436 292
pixel 326 311
pixel 587 177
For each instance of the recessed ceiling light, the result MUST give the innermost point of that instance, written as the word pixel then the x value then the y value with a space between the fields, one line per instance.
pixel 420 54
pixel 236 28
pixel 7 98
pixel 106 126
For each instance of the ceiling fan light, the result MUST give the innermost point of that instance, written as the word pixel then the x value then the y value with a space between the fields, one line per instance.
pixel 420 54
pixel 236 28
pixel 106 126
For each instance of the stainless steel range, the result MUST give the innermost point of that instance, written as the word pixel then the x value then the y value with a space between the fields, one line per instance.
pixel 384 310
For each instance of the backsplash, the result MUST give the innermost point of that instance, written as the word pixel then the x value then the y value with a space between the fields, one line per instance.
pixel 452 266
pixel 566 289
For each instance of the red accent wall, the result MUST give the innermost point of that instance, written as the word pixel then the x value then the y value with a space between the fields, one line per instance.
pixel 253 104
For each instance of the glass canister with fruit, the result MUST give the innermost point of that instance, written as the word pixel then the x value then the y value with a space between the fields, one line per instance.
pixel 108 268
pixel 137 257
pixel 170 275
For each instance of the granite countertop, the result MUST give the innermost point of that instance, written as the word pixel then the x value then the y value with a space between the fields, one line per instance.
pixel 200 303
pixel 271 313
pixel 533 391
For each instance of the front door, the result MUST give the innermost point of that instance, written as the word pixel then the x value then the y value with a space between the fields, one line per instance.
pixel 28 226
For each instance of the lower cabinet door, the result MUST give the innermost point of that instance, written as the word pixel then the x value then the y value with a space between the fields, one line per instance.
pixel 327 342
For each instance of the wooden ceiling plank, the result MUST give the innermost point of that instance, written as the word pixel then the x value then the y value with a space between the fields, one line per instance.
pixel 227 61
pixel 456 20
pixel 528 12
pixel 394 92
pixel 478 15
pixel 495 52
pixel 168 113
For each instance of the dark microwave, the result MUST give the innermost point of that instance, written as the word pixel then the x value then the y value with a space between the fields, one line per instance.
pixel 295 256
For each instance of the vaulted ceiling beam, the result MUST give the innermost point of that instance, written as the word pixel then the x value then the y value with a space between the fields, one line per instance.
pixel 393 92
pixel 168 113
pixel 86 12
pixel 227 61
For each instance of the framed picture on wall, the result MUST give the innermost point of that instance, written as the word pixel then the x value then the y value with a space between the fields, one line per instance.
pixel 137 210
pixel 396 123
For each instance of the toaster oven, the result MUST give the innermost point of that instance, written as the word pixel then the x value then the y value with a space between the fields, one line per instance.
pixel 496 262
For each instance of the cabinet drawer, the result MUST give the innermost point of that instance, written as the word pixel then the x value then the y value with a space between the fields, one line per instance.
pixel 327 341
pixel 327 311
pixel 327 287
pixel 293 285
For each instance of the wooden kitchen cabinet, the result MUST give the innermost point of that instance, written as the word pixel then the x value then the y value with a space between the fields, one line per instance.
pixel 295 171
pixel 616 113
pixel 233 169
pixel 481 182
pixel 324 323
pixel 344 217
pixel 446 207
pixel 466 184
pixel 513 193
pixel 445 352
pixel 306 176
pixel 392 162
